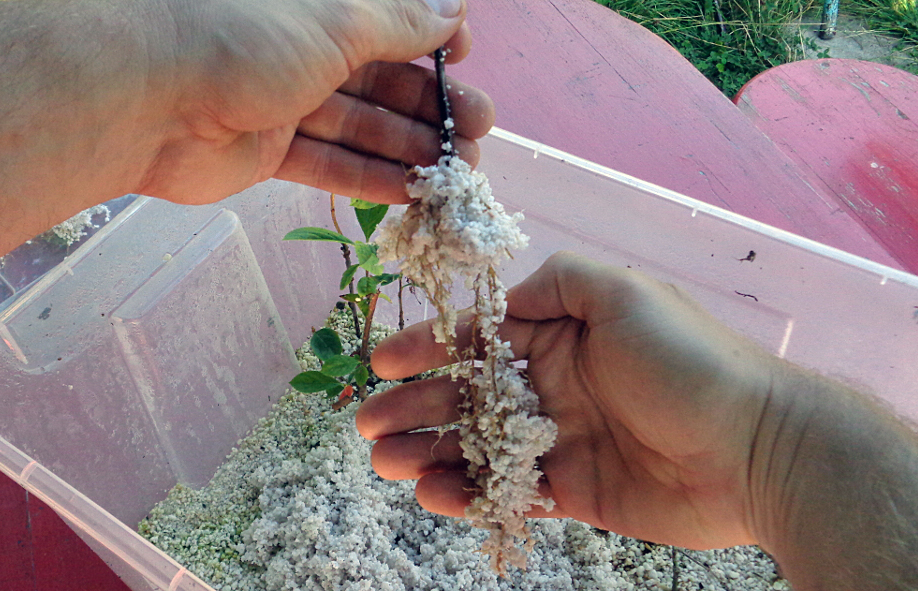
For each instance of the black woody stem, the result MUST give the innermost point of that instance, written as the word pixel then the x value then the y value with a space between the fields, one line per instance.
pixel 347 265
pixel 446 121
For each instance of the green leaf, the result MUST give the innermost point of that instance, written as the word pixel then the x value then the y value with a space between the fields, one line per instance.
pixel 339 365
pixel 364 306
pixel 367 286
pixel 312 381
pixel 317 234
pixel 373 267
pixel 366 257
pixel 387 278
pixel 361 204
pixel 352 297
pixel 361 375
pixel 325 344
pixel 385 297
pixel 365 251
pixel 334 391
pixel 369 218
pixel 348 276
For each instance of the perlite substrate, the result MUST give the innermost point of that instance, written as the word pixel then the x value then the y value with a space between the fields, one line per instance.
pixel 298 507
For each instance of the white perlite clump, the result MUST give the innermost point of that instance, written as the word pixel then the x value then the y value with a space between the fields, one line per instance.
pixel 455 229
pixel 75 228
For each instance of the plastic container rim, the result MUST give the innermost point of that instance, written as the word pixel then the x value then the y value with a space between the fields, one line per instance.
pixel 884 272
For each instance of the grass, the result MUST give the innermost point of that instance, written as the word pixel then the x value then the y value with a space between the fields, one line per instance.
pixel 897 18
pixel 730 41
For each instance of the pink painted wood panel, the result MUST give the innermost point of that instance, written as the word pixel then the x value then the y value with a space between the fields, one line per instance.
pixel 851 127
pixel 575 75
pixel 15 538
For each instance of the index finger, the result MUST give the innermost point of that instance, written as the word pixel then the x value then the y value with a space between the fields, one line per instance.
pixel 411 90
pixel 566 285
pixel 414 350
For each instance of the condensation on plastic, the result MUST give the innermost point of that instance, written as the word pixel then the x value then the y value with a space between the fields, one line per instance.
pixel 22 267
pixel 141 359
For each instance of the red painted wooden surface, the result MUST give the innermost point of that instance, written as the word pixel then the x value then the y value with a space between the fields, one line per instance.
pixel 575 75
pixel 15 538
pixel 851 127
pixel 39 552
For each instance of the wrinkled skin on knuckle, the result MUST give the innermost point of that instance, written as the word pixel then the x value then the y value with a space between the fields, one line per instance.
pixel 348 24
pixel 364 31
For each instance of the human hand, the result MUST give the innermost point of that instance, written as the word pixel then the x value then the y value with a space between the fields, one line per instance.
pixel 657 406
pixel 311 91
pixel 195 101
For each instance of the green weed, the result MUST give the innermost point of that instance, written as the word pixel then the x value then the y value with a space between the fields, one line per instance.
pixel 897 18
pixel 731 41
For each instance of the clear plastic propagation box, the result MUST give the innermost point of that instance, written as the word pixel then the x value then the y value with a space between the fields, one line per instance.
pixel 142 358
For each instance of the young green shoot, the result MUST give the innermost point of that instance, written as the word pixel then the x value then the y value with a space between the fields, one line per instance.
pixel 362 295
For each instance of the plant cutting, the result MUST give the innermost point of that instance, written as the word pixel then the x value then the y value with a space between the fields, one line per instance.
pixel 454 229
pixel 325 343
pixel 326 346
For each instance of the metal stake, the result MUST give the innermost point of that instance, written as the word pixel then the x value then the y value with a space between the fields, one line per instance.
pixel 829 20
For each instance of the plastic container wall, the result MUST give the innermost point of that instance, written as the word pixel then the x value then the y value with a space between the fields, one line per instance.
pixel 22 267
pixel 140 360
pixel 822 308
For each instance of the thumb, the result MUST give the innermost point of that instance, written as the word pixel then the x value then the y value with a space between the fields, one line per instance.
pixel 569 284
pixel 446 8
pixel 401 30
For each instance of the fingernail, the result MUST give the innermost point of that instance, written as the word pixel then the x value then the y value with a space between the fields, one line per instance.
pixel 445 8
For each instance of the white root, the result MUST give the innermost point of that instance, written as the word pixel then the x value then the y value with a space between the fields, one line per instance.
pixel 455 228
